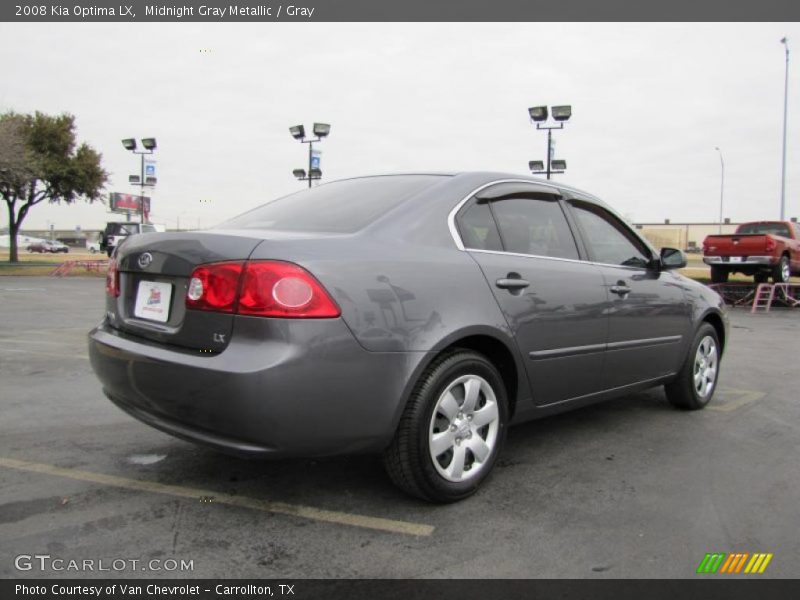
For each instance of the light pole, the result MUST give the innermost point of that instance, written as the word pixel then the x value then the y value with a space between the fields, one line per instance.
pixel 321 130
pixel 149 147
pixel 785 42
pixel 721 185
pixel 538 115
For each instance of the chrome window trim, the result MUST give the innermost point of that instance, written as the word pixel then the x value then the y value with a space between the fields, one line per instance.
pixel 451 218
pixel 451 223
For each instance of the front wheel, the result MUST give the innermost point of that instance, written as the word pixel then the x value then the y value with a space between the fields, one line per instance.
pixel 696 382
pixel 451 431
pixel 782 271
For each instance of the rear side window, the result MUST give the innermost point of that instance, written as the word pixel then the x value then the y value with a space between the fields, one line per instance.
pixel 478 229
pixel 780 229
pixel 534 226
pixel 339 207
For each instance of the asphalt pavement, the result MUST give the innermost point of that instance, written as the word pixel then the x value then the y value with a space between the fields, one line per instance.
pixel 630 488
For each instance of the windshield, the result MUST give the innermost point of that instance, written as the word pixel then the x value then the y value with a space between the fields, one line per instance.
pixel 340 207
pixel 774 228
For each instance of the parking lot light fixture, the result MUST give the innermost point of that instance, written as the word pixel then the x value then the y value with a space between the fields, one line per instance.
pixel 149 145
pixel 538 113
pixel 321 131
pixel 561 113
pixel 721 185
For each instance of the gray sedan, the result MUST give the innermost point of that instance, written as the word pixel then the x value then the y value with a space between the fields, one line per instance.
pixel 413 315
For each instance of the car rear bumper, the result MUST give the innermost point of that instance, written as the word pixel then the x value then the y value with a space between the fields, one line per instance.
pixel 752 261
pixel 283 388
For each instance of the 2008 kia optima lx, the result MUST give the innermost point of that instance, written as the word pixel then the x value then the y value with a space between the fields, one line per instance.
pixel 413 315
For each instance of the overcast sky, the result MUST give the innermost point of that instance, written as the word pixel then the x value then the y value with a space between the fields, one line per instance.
pixel 650 103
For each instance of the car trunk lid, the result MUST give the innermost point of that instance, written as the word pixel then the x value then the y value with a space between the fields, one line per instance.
pixel 154 274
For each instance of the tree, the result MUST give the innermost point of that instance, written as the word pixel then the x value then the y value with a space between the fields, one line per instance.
pixel 39 162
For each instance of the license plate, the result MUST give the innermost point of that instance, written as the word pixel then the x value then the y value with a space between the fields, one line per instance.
pixel 152 301
pixel 735 259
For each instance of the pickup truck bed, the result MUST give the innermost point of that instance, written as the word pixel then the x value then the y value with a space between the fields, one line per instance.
pixel 762 249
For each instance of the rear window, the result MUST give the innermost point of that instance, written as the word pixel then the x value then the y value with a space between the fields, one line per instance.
pixel 339 207
pixel 774 228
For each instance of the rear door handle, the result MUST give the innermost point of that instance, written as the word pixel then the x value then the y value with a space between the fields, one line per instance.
pixel 620 289
pixel 512 284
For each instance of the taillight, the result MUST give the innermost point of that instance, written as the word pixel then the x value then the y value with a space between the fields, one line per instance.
pixel 705 246
pixel 112 278
pixel 262 288
pixel 214 287
pixel 279 289
pixel 771 244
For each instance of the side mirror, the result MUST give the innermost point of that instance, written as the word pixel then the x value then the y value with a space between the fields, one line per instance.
pixel 672 258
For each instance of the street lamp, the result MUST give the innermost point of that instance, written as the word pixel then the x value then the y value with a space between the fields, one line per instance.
pixel 321 130
pixel 785 42
pixel 538 115
pixel 149 145
pixel 721 185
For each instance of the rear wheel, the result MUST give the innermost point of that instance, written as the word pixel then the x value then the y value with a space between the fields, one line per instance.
pixel 451 431
pixel 782 270
pixel 719 275
pixel 696 382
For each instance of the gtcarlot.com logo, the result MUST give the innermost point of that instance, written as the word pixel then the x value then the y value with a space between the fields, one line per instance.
pixel 45 562
pixel 735 562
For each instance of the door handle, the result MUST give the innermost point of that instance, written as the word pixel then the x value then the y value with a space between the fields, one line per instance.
pixel 512 284
pixel 620 289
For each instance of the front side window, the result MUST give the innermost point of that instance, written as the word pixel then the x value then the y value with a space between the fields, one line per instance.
pixel 609 240
pixel 534 226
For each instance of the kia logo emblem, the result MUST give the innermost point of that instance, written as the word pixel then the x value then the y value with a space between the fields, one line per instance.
pixel 145 260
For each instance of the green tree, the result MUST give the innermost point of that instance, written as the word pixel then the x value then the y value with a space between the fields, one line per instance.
pixel 41 161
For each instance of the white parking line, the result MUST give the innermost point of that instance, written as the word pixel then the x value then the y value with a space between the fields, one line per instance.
pixel 64 355
pixel 293 510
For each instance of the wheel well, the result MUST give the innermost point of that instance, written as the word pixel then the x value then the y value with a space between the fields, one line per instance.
pixel 500 356
pixel 716 322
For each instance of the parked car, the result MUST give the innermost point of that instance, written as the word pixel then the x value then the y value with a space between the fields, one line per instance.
pixel 51 246
pixel 116 232
pixel 93 247
pixel 413 315
pixel 762 249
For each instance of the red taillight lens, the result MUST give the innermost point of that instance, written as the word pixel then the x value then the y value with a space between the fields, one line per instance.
pixel 263 288
pixel 771 244
pixel 214 287
pixel 279 289
pixel 112 279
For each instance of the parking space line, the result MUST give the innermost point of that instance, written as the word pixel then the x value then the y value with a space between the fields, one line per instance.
pixel 742 398
pixel 294 510
pixel 65 355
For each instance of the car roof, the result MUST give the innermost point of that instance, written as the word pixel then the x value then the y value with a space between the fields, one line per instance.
pixel 482 177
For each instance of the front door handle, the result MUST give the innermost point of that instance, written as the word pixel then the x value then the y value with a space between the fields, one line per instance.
pixel 512 284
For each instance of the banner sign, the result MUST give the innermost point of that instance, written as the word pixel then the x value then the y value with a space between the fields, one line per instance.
pixel 126 203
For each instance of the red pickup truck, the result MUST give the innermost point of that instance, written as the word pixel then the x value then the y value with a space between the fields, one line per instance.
pixel 761 249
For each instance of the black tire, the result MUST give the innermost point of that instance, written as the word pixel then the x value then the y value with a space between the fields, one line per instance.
pixel 760 278
pixel 682 391
pixel 782 271
pixel 408 458
pixel 719 275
